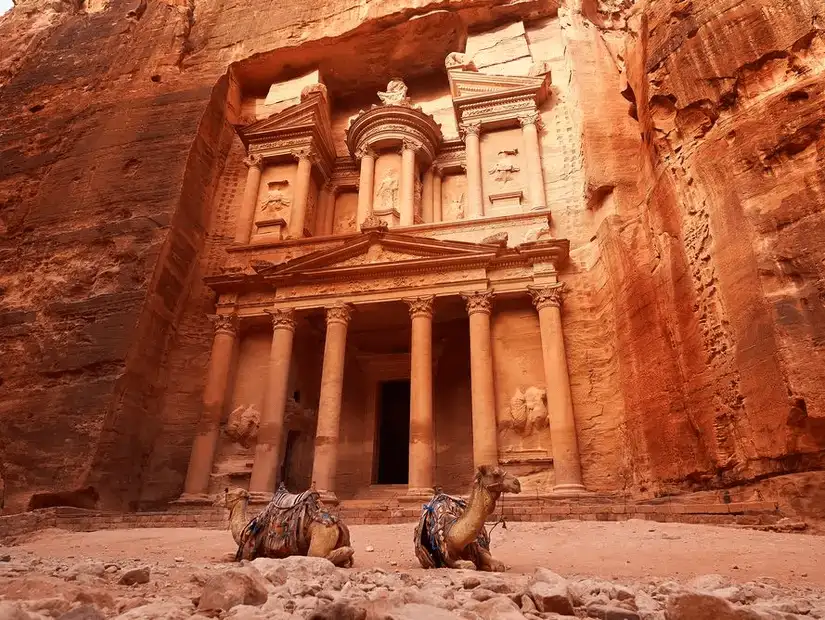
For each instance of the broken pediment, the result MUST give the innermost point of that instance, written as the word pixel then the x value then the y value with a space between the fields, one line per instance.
pixel 473 84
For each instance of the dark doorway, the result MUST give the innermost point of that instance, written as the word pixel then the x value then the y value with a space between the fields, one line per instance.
pixel 290 468
pixel 393 432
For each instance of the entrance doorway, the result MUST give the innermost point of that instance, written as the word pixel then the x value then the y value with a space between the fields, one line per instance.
pixel 393 417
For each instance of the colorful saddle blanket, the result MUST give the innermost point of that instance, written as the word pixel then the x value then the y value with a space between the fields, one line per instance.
pixel 282 528
pixel 437 517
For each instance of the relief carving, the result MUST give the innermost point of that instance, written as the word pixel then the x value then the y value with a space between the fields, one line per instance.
pixel 528 411
pixel 242 425
pixel 457 207
pixel 388 192
pixel 503 171
pixel 396 93
pixel 253 161
pixel 457 60
pixel 277 199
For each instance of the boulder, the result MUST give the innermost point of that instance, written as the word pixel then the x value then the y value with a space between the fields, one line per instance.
pixel 84 612
pixel 95 569
pixel 499 608
pixel 134 576
pixel 170 609
pixel 550 592
pixel 341 611
pixel 610 612
pixel 13 610
pixel 239 586
pixel 702 606
pixel 296 567
pixel 410 611
pixel 709 583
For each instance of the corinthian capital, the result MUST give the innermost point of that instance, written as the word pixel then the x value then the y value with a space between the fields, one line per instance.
pixel 253 161
pixel 282 318
pixel 408 144
pixel 304 152
pixel 481 301
pixel 529 118
pixel 340 313
pixel 364 151
pixel 546 296
pixel 224 323
pixel 470 128
pixel 420 306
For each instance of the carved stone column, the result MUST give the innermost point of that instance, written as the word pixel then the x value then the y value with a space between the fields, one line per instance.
pixel 437 214
pixel 246 216
pixel 472 144
pixel 485 441
pixel 329 406
pixel 427 196
pixel 566 461
pixel 300 198
pixel 328 194
pixel 366 185
pixel 422 429
pixel 214 397
pixel 271 429
pixel 532 155
pixel 407 183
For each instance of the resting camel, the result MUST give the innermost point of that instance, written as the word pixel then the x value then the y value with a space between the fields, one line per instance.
pixel 451 531
pixel 289 525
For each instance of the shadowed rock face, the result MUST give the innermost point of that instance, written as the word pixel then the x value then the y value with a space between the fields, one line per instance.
pixel 694 325
pixel 82 498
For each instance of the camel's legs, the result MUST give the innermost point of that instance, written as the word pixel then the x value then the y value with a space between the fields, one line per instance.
pixel 488 562
pixel 323 539
pixel 465 564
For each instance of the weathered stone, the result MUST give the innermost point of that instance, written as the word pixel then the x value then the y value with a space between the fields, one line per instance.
pixel 609 612
pixel 244 586
pixel 338 611
pixel 170 609
pixel 416 611
pixel 134 577
pixel 550 592
pixel 84 612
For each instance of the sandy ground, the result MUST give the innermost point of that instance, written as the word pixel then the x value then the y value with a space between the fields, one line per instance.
pixel 622 550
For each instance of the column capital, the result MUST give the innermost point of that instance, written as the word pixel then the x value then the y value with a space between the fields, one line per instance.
pixel 304 152
pixel 420 306
pixel 437 170
pixel 547 296
pixel 470 128
pixel 253 160
pixel 408 144
pixel 282 318
pixel 339 313
pixel 529 118
pixel 224 323
pixel 480 301
pixel 364 151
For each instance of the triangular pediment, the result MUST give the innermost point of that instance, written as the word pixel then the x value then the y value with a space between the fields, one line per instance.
pixel 371 251
pixel 472 84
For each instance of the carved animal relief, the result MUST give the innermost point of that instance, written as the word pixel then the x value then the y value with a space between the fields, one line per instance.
pixel 277 199
pixel 396 93
pixel 503 171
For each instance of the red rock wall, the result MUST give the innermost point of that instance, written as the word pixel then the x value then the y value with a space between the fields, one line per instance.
pixel 694 326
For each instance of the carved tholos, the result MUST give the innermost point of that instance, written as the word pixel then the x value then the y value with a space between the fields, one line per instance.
pixel 214 397
pixel 329 405
pixel 270 431
pixel 566 461
pixel 485 442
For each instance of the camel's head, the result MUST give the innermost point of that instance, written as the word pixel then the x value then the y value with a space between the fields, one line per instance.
pixel 230 497
pixel 496 480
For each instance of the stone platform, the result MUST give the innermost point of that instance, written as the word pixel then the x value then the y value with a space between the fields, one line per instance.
pixel 389 511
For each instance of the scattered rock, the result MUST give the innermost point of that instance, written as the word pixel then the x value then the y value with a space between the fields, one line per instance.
pixel 54 607
pixel 608 612
pixel 342 611
pixel 297 567
pixel 5 558
pixel 369 549
pixel 471 582
pixel 709 583
pixel 95 569
pixel 240 586
pixel 134 576
pixel 170 609
pixel 550 592
pixel 410 611
pixel 84 612
pixel 482 594
pixel 14 611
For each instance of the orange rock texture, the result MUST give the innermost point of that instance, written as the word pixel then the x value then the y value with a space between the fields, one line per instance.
pixel 695 209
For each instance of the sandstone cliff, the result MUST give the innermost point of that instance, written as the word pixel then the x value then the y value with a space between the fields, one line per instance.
pixel 699 351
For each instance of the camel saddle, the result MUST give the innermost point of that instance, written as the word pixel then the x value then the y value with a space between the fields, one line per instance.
pixel 285 500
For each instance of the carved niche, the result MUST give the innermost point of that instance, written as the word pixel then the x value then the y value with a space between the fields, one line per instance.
pixel 528 411
pixel 502 171
pixel 387 194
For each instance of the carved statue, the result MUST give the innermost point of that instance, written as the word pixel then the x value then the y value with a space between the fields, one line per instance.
pixel 505 167
pixel 451 532
pixel 289 525
pixel 528 410
pixel 457 205
pixel 276 200
pixel 457 60
pixel 242 425
pixel 396 93
pixel 388 191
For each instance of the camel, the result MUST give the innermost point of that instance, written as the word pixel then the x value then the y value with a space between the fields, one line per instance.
pixel 289 525
pixel 451 532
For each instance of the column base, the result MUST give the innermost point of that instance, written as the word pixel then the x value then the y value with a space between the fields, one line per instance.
pixel 194 499
pixel 415 495
pixel 569 489
pixel 329 497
